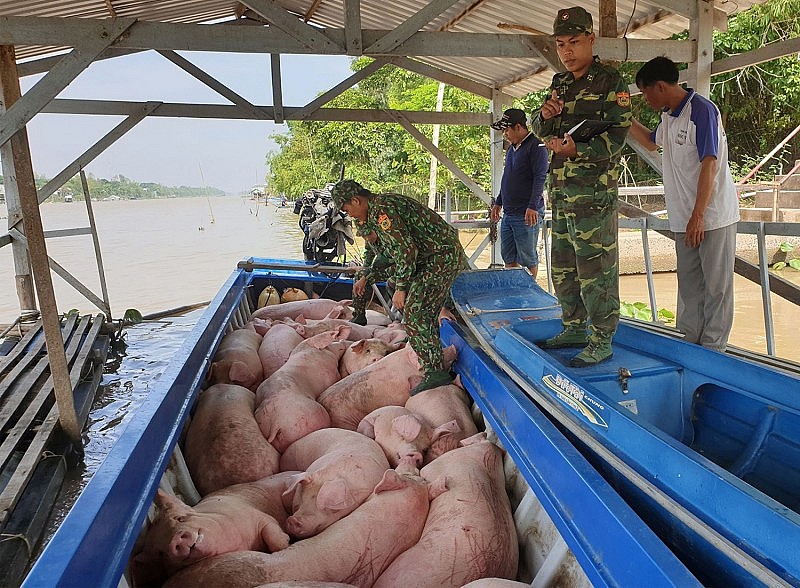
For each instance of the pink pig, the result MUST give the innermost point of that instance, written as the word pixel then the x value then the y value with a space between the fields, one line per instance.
pixel 400 433
pixel 318 308
pixel 363 353
pixel 237 518
pixel 288 409
pixel 236 360
pixel 354 550
pixel 469 533
pixel 277 345
pixel 386 382
pixel 224 445
pixel 341 469
pixel 442 405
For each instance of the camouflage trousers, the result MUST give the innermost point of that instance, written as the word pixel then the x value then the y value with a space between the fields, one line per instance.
pixel 375 275
pixel 585 266
pixel 428 290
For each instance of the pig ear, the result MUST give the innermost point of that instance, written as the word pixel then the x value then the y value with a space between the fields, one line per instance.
pixel 334 495
pixel 301 330
pixel 477 438
pixel 343 332
pixel 366 427
pixel 437 487
pixel 391 481
pixel 358 347
pixel 346 302
pixel 240 373
pixel 445 429
pixel 334 314
pixel 288 495
pixel 407 426
pixel 164 500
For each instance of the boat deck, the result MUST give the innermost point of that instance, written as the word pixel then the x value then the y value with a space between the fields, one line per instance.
pixel 34 454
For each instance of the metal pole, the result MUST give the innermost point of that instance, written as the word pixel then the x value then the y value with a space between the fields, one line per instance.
pixel 96 241
pixel 43 281
pixel 546 228
pixel 765 294
pixel 448 206
pixel 648 266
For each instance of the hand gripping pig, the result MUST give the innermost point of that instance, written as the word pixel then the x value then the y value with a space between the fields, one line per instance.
pixel 386 382
pixel 341 470
pixel 315 309
pixel 277 345
pixel 469 533
pixel 354 550
pixel 236 360
pixel 363 353
pixel 441 405
pixel 224 445
pixel 287 406
pixel 400 433
pixel 240 517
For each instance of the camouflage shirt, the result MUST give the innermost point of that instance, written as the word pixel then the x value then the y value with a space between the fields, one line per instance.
pixel 601 94
pixel 409 232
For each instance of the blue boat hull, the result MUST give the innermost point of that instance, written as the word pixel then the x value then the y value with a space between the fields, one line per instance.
pixel 91 548
pixel 705 446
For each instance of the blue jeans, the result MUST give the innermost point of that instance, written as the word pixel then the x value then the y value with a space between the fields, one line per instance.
pixel 518 241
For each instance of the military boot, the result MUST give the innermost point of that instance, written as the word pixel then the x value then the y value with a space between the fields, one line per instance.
pixel 570 336
pixel 359 319
pixel 432 380
pixel 594 353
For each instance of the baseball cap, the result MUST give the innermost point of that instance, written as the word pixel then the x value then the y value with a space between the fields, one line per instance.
pixel 572 21
pixel 343 191
pixel 511 117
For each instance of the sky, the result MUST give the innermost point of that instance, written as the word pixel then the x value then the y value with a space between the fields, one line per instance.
pixel 229 155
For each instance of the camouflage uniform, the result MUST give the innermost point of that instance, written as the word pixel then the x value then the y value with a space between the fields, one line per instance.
pixel 427 256
pixel 377 268
pixel 583 196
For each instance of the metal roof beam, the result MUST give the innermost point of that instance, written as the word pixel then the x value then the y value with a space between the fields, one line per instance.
pixel 225 111
pixel 212 83
pixel 308 36
pixel 277 91
pixel 440 75
pixel 352 27
pixel 60 76
pixel 227 38
pixel 323 99
pixel 412 25
pixel 402 120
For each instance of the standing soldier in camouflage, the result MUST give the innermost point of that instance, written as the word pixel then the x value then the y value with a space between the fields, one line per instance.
pixel 583 189
pixel 427 256
pixel 376 269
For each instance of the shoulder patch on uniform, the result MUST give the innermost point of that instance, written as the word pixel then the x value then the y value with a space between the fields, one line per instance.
pixel 624 99
pixel 384 222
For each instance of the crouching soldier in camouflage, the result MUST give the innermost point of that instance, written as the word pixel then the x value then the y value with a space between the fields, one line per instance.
pixel 583 188
pixel 377 268
pixel 427 256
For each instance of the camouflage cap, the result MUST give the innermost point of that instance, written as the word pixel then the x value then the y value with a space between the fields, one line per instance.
pixel 572 21
pixel 344 190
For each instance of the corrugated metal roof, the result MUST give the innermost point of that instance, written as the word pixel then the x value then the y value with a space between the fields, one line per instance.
pixel 515 76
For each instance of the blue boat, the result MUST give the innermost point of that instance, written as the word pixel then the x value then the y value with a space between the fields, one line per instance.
pixel 573 526
pixel 704 445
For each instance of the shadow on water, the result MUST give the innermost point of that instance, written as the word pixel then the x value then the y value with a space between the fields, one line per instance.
pixel 129 375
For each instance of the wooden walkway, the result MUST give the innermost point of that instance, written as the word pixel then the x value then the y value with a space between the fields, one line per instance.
pixel 34 453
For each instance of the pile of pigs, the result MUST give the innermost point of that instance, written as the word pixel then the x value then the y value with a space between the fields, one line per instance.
pixel 315 467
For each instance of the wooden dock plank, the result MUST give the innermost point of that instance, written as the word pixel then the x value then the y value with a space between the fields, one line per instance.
pixel 81 343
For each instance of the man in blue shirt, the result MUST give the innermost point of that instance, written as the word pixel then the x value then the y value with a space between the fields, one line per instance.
pixel 521 197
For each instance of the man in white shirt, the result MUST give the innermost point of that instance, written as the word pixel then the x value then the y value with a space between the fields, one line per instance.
pixel 702 203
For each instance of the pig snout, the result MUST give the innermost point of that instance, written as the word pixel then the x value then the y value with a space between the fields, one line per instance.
pixel 294 525
pixel 182 544
pixel 411 454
